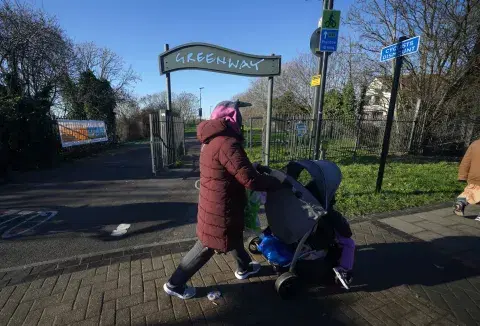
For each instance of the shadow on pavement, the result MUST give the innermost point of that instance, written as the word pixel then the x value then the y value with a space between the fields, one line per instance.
pixel 383 266
pixel 98 222
pixel 128 162
pixel 87 230
pixel 258 304
pixel 378 268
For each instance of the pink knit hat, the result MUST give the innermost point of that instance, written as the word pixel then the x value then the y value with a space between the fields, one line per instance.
pixel 230 112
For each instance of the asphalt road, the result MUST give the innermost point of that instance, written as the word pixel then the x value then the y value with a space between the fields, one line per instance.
pixel 72 210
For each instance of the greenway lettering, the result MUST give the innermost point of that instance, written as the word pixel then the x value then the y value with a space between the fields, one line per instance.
pixel 215 58
pixel 212 59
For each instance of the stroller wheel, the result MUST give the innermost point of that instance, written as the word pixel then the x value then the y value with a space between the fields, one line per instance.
pixel 286 285
pixel 252 245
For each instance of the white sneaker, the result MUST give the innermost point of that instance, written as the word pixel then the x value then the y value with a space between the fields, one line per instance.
pixel 188 293
pixel 342 276
pixel 253 268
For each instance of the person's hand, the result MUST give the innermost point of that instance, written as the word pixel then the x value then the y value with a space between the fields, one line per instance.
pixel 260 168
pixel 287 184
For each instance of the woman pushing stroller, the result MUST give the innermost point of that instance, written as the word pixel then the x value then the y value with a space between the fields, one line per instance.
pixel 225 172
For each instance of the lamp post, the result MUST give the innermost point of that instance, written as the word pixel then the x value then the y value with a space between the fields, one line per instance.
pixel 200 109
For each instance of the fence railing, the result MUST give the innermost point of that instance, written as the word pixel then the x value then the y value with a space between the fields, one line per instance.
pixel 354 139
pixel 165 150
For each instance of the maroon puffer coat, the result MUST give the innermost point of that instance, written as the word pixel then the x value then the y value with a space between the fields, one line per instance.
pixel 225 172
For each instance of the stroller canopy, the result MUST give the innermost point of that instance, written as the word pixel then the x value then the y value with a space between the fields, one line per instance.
pixel 289 217
pixel 326 178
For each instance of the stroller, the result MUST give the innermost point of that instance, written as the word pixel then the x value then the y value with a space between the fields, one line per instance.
pixel 295 217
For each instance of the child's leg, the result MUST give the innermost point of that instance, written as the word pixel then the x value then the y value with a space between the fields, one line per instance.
pixel 348 251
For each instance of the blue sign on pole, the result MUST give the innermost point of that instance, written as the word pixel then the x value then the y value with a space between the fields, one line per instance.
pixel 301 129
pixel 329 40
pixel 400 49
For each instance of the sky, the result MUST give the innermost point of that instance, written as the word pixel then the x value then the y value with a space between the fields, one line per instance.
pixel 138 29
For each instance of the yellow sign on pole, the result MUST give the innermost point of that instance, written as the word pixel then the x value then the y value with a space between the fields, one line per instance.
pixel 331 19
pixel 315 80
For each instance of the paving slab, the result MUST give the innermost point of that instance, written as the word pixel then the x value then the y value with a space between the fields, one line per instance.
pixel 397 282
pixel 454 243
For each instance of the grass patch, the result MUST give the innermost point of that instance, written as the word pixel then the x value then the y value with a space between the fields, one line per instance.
pixel 407 183
pixel 191 129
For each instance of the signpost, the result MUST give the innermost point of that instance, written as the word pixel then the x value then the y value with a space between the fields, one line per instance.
pixel 301 128
pixel 202 56
pixel 329 33
pixel 331 19
pixel 403 48
pixel 328 43
pixel 209 57
pixel 315 42
pixel 397 51
pixel 316 80
pixel 329 40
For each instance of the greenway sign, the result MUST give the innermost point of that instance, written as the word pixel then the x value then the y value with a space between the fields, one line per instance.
pixel 209 57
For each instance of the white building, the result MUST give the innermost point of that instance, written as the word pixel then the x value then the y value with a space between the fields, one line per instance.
pixel 377 98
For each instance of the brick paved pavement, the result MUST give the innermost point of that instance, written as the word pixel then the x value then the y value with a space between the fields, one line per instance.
pixel 397 282
pixel 453 282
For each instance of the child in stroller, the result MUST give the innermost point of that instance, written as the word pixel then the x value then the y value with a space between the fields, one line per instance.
pixel 302 218
pixel 335 236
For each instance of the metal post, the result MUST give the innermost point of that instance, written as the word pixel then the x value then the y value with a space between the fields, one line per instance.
pixel 200 110
pixel 269 121
pixel 169 86
pixel 250 134
pixel 358 131
pixel 414 125
pixel 152 150
pixel 388 126
pixel 162 131
pixel 183 138
pixel 321 94
pixel 316 95
pixel 171 155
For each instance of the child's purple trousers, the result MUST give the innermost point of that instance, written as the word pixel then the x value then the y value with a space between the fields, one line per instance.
pixel 348 251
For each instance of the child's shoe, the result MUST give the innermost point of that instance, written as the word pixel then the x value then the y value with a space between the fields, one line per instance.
pixel 343 276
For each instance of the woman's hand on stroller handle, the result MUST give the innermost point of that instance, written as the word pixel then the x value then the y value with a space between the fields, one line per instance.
pixel 287 184
pixel 261 169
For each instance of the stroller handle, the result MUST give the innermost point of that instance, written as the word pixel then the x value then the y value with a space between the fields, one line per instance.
pixel 262 169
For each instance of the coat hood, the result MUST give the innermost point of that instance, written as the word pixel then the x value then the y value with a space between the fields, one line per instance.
pixel 207 130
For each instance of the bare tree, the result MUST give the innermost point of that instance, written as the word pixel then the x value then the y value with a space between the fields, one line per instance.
pixel 447 66
pixel 155 101
pixel 347 64
pixel 130 124
pixel 183 104
pixel 106 64
pixel 256 94
pixel 186 105
pixel 34 51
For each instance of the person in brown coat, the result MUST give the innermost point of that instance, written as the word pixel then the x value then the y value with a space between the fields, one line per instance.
pixel 469 171
pixel 225 172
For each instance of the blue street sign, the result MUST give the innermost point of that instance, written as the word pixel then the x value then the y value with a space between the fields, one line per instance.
pixel 400 49
pixel 329 40
pixel 301 129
